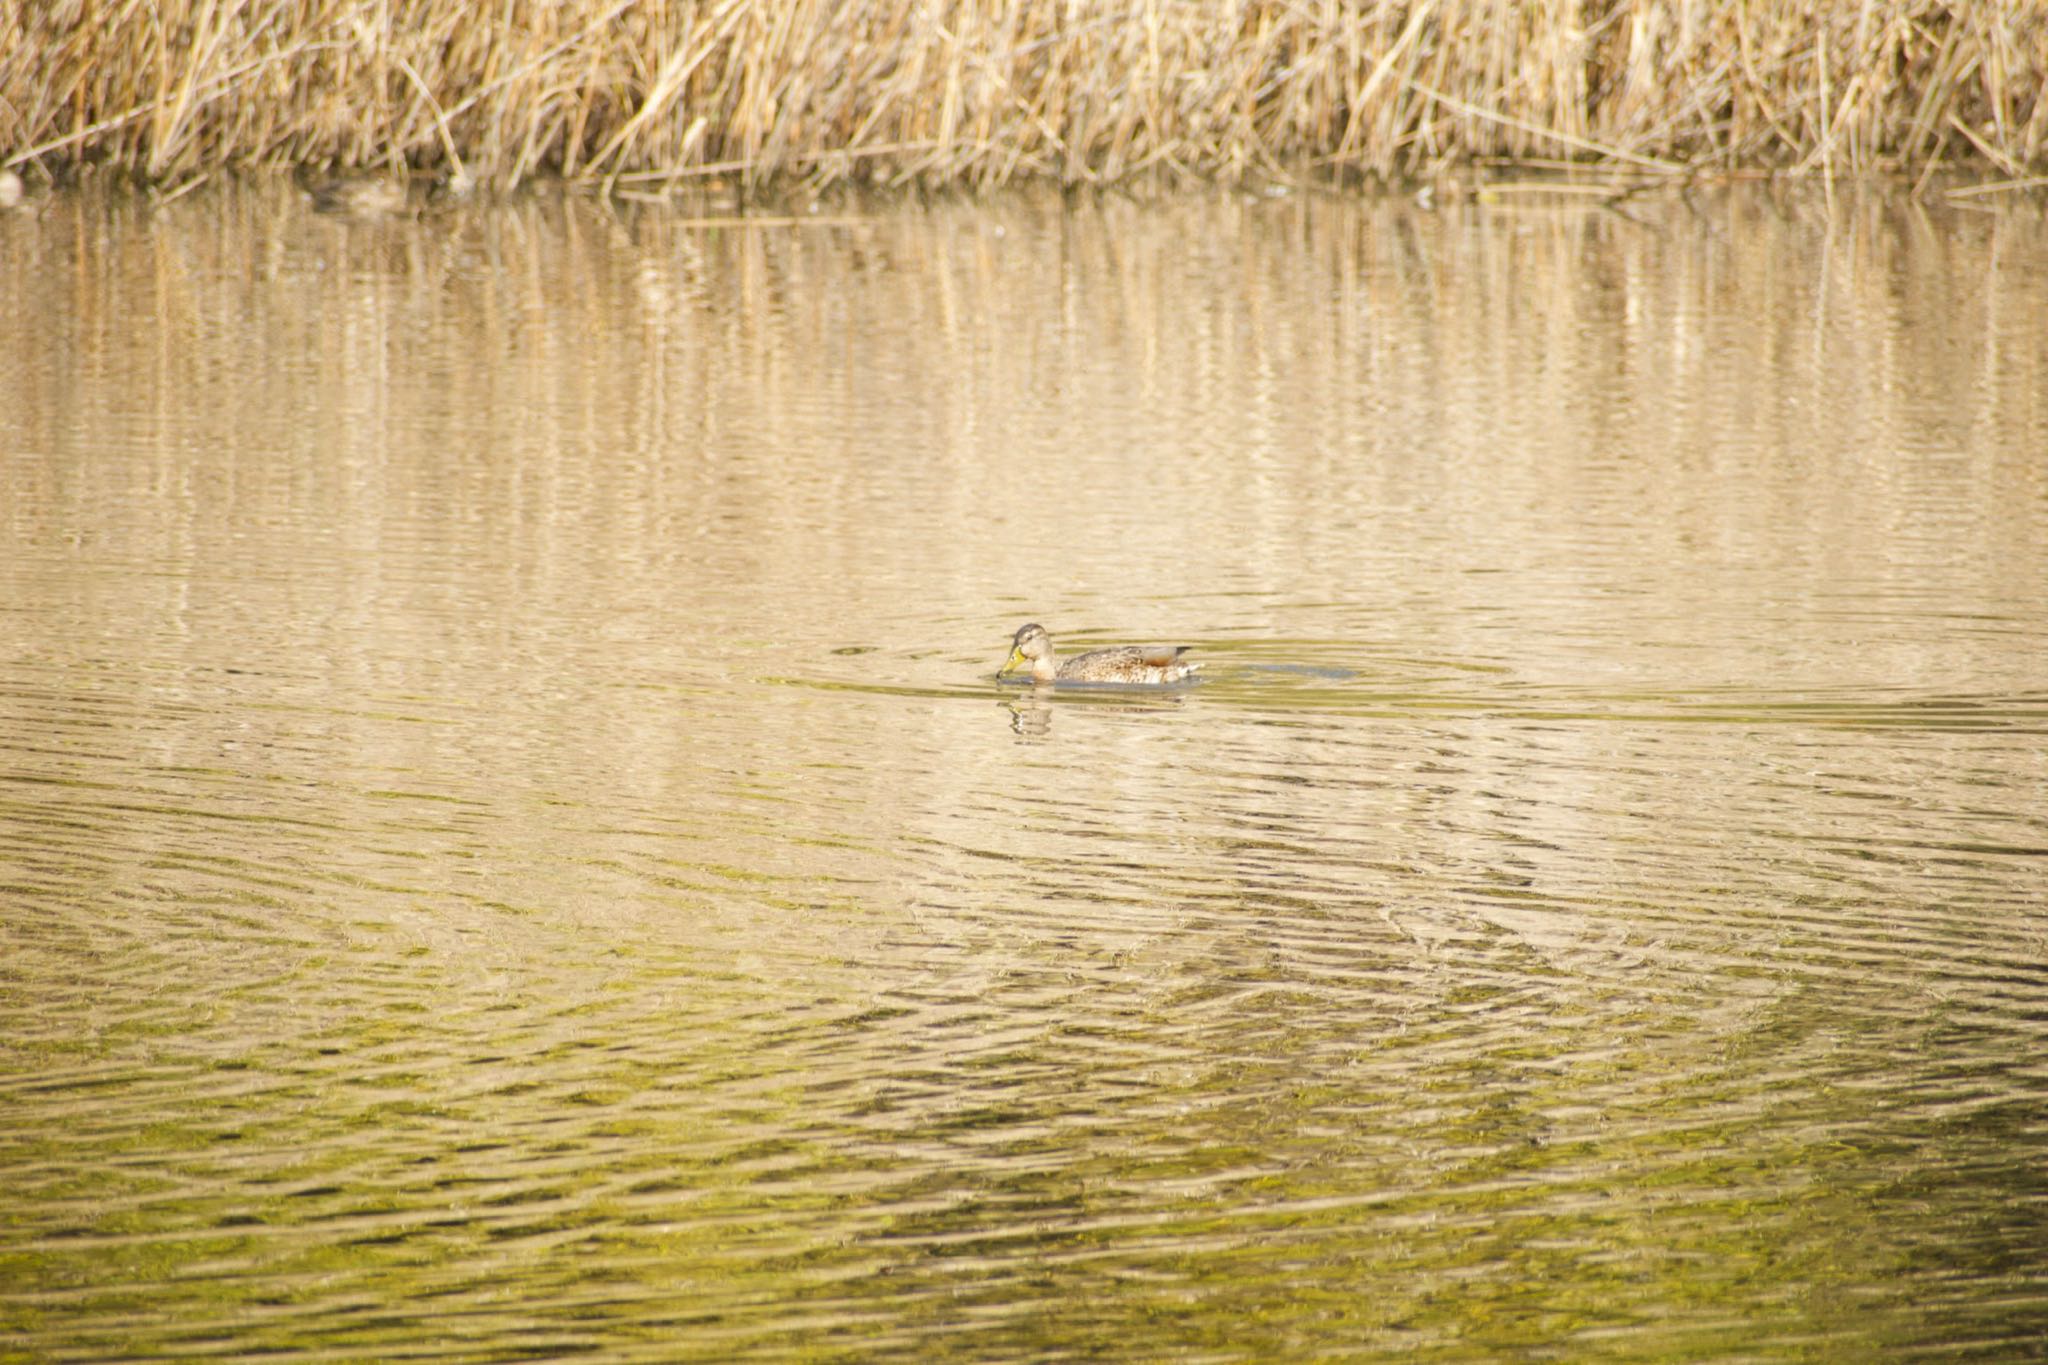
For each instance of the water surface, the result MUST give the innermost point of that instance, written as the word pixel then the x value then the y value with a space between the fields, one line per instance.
pixel 510 843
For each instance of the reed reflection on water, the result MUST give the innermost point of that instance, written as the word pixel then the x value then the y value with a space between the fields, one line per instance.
pixel 509 840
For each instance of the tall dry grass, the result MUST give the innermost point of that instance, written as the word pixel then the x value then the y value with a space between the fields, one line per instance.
pixel 980 92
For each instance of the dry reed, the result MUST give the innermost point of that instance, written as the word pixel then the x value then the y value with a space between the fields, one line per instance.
pixel 979 92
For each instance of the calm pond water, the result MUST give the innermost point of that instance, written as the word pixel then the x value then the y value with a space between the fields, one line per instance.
pixel 510 843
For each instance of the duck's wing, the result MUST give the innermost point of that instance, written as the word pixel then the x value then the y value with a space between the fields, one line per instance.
pixel 1127 663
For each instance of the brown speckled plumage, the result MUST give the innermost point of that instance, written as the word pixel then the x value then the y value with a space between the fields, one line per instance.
pixel 1142 664
pixel 361 197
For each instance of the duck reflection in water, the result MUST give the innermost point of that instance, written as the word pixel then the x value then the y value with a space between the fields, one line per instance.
pixel 1030 716
pixel 1031 711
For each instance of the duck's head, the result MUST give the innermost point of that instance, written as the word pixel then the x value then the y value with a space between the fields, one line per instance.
pixel 1028 645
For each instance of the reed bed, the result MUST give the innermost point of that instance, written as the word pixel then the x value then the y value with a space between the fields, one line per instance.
pixel 982 92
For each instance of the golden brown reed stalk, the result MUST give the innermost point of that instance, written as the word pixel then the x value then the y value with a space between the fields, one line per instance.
pixel 979 92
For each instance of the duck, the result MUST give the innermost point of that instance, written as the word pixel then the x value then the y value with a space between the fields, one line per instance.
pixel 361 197
pixel 1142 664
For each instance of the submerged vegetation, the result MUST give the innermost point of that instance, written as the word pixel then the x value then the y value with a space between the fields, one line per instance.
pixel 980 92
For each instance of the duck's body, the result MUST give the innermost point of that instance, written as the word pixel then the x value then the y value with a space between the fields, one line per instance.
pixel 361 197
pixel 1141 664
